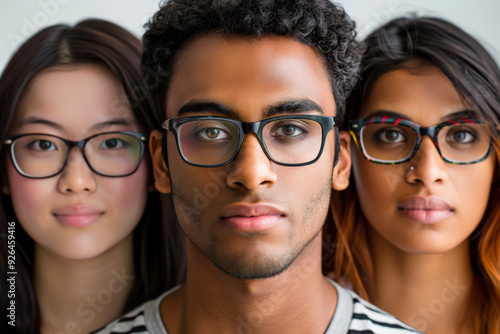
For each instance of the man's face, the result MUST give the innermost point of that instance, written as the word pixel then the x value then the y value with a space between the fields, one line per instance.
pixel 251 218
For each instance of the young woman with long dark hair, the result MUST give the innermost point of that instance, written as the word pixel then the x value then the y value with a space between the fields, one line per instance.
pixel 421 217
pixel 77 195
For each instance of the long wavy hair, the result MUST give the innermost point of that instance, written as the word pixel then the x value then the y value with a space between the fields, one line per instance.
pixel 402 43
pixel 158 247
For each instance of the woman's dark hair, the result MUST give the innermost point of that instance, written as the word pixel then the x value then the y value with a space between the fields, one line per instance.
pixel 412 43
pixel 317 23
pixel 158 247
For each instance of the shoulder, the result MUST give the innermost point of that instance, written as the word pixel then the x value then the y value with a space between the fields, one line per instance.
pixel 144 319
pixel 367 318
pixel 132 322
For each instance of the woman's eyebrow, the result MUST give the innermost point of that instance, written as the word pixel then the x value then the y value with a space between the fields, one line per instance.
pixel 39 120
pixel 451 116
pixel 112 122
pixel 458 115
pixel 387 113
pixel 99 126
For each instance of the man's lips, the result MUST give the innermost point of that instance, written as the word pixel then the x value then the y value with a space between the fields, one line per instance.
pixel 77 216
pixel 252 217
pixel 426 210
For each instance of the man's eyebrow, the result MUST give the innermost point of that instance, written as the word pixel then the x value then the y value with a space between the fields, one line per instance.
pixel 293 107
pixel 287 107
pixel 201 106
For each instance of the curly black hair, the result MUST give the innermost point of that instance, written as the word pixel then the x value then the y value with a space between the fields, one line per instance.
pixel 317 23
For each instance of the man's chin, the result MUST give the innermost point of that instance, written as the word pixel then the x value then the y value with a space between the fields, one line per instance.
pixel 250 270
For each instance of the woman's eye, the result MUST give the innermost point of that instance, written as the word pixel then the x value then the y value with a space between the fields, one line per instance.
pixel 113 143
pixel 43 145
pixel 390 136
pixel 462 137
pixel 213 134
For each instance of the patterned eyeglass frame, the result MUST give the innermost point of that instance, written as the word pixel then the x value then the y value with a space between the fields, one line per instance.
pixel 327 123
pixel 355 127
pixel 141 137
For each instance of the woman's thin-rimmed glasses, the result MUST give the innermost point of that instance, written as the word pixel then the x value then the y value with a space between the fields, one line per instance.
pixel 388 140
pixel 111 154
pixel 210 141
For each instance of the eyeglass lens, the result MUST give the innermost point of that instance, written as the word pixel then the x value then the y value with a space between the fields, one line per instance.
pixel 288 141
pixel 458 142
pixel 110 154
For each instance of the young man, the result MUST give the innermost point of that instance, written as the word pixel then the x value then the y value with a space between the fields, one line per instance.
pixel 251 92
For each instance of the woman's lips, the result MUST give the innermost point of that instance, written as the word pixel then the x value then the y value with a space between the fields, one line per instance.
pixel 78 216
pixel 78 220
pixel 426 210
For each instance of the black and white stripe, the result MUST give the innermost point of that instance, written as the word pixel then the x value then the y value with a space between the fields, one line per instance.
pixel 353 315
pixel 369 319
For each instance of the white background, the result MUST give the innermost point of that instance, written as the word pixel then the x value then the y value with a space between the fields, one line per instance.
pixel 19 19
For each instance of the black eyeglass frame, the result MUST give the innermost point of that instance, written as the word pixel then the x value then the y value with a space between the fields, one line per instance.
pixel 327 124
pixel 356 126
pixel 142 138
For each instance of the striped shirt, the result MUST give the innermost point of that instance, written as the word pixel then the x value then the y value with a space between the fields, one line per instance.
pixel 353 315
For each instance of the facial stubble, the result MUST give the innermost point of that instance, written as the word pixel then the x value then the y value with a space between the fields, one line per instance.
pixel 248 265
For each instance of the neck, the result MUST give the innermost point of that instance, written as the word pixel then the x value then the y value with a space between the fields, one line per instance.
pixel 82 295
pixel 428 291
pixel 276 304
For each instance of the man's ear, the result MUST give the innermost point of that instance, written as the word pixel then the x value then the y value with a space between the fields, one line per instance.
pixel 160 170
pixel 342 171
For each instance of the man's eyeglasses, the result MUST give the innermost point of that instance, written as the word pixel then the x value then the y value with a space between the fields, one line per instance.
pixel 112 154
pixel 387 140
pixel 210 141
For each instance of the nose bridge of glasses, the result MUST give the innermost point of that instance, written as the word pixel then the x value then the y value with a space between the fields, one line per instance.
pixel 251 127
pixel 80 145
pixel 420 154
pixel 431 132
pixel 248 127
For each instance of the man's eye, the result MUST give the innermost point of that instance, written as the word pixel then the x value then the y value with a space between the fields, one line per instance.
pixel 213 134
pixel 288 131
